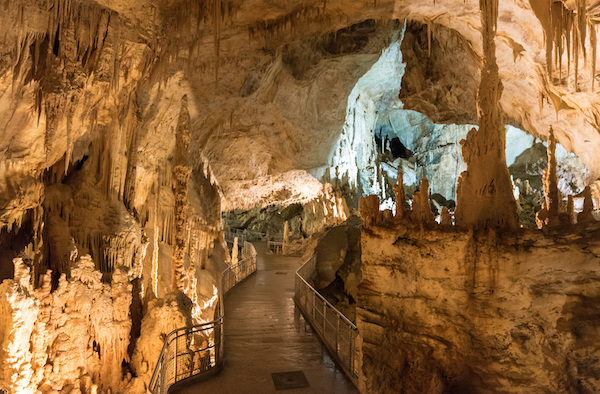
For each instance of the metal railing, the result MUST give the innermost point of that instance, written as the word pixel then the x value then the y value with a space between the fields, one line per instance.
pixel 198 350
pixel 333 328
pixel 243 235
pixel 231 235
pixel 275 246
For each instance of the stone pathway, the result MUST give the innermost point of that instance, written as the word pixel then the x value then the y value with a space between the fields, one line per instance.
pixel 265 333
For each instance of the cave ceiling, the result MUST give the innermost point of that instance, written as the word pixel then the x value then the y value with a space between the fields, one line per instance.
pixel 267 81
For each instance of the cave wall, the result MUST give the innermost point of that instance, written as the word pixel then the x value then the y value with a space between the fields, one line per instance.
pixel 457 311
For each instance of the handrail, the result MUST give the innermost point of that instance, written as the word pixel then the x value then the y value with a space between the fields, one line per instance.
pixel 184 354
pixel 243 235
pixel 333 328
pixel 231 235
pixel 275 246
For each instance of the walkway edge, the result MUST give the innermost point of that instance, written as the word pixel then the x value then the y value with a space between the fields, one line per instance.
pixel 331 326
pixel 179 348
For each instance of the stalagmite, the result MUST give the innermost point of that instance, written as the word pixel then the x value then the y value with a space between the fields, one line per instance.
pixel 286 237
pixel 19 310
pixel 445 217
pixel 549 214
pixel 234 252
pixel 570 209
pixel 399 193
pixel 421 209
pixel 369 210
pixel 484 190
pixel 181 174
pixel 586 216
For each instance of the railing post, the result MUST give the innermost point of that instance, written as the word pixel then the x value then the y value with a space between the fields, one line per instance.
pixel 324 317
pixel 337 333
pixel 175 379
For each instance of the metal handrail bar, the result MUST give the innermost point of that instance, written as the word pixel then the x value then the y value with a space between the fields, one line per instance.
pixel 243 235
pixel 275 246
pixel 160 382
pixel 339 340
pixel 324 299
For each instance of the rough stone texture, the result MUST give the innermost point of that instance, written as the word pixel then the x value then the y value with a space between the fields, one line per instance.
pixel 399 194
pixel 454 311
pixel 369 210
pixel 80 332
pixel 445 217
pixel 89 104
pixel 585 216
pixel 421 210
pixel 484 190
pixel 164 315
pixel 181 175
pixel 551 214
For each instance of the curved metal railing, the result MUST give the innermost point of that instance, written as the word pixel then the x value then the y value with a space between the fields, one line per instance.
pixel 333 328
pixel 198 350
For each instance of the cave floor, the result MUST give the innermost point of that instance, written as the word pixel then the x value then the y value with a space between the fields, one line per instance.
pixel 265 333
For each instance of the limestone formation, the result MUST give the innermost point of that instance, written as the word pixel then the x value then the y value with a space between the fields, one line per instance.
pixel 369 210
pixel 181 174
pixel 586 216
pixel 286 237
pixel 549 214
pixel 445 217
pixel 399 193
pixel 570 209
pixel 234 251
pixel 420 297
pixel 111 183
pixel 484 190
pixel 421 208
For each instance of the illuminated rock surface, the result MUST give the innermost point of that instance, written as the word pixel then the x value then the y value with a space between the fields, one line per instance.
pixel 297 109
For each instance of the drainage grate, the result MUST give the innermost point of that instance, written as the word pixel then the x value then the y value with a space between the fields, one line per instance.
pixel 289 380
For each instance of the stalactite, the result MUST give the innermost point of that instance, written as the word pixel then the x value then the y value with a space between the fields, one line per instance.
pixel 181 174
pixel 302 13
pixel 566 30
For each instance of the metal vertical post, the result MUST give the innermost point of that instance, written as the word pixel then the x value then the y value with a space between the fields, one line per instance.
pixel 337 333
pixel 175 379
pixel 324 317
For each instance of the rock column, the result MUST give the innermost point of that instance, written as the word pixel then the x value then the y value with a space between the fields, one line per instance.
pixel 181 175
pixel 484 191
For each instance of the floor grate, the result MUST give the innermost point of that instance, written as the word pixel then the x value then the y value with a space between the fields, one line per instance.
pixel 289 380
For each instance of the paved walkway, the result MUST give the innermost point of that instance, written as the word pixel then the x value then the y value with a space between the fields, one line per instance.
pixel 265 333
